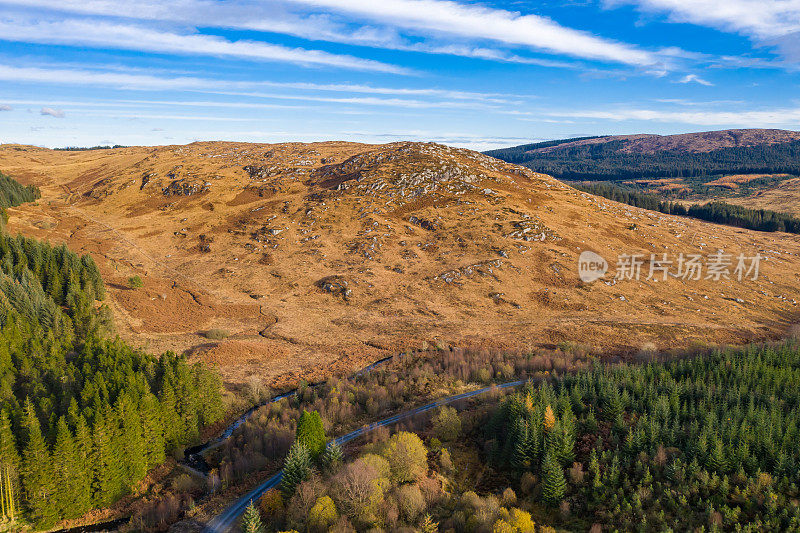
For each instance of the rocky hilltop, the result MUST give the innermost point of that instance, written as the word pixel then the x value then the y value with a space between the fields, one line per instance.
pixel 318 257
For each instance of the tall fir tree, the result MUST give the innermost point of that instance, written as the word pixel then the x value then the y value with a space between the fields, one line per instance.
pixel 332 457
pixel 37 473
pixel 135 458
pixel 68 474
pixel 296 469
pixel 251 520
pixel 311 433
pixel 554 485
pixel 107 474
pixel 9 456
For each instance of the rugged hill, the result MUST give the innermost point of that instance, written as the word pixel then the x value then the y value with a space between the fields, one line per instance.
pixel 689 155
pixel 318 257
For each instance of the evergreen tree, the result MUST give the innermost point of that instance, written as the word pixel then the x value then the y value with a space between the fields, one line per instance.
pixel 9 456
pixel 311 433
pixel 594 471
pixel 554 485
pixel 296 469
pixel 37 474
pixel 251 520
pixel 135 458
pixel 152 430
pixel 332 457
pixel 73 497
pixel 107 474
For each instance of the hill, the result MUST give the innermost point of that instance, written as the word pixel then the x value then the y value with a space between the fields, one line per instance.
pixel 320 257
pixel 690 155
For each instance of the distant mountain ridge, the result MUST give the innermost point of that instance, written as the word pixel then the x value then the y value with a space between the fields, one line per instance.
pixel 619 157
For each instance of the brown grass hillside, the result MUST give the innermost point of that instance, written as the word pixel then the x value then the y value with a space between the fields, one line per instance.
pixel 321 257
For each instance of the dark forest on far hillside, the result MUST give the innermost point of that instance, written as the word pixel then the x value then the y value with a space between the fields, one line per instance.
pixel 605 161
pixel 717 212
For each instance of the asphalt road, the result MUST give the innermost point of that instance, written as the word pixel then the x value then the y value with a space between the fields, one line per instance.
pixel 223 522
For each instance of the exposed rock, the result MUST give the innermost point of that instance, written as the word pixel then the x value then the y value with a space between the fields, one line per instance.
pixel 335 285
pixel 183 187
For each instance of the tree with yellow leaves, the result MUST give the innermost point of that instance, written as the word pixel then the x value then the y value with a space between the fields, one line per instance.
pixel 549 418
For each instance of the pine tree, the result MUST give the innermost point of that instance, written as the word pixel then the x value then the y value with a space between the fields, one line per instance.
pixel 169 416
pixel 135 459
pixel 37 475
pixel 594 470
pixel 296 469
pixel 73 485
pixel 251 520
pixel 9 456
pixel 152 430
pixel 311 432
pixel 612 405
pixel 554 486
pixel 332 457
pixel 105 461
pixel 716 460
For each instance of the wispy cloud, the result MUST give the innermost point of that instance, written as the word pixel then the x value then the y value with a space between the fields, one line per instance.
pixel 49 111
pixel 5 107
pixel 762 19
pixel 477 22
pixel 787 117
pixel 131 37
pixel 437 19
pixel 433 98
pixel 694 78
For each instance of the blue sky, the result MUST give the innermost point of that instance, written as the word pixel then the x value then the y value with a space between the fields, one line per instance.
pixel 475 74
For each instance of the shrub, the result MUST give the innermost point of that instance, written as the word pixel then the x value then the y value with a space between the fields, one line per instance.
pixel 521 521
pixel 447 424
pixel 216 334
pixel 359 491
pixel 509 497
pixel 135 282
pixel 377 462
pixel 407 456
pixel 323 514
pixel 411 502
pixel 272 504
pixel 527 482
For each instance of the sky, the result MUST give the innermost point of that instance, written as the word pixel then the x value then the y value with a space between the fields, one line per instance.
pixel 480 75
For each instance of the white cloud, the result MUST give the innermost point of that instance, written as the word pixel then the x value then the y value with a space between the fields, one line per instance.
pixel 786 117
pixel 436 98
pixel 49 111
pixel 5 107
pixel 694 78
pixel 762 19
pixel 446 17
pixel 129 37
pixel 437 18
pixel 106 79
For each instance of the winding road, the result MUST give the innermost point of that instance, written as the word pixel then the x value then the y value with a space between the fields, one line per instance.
pixel 224 521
